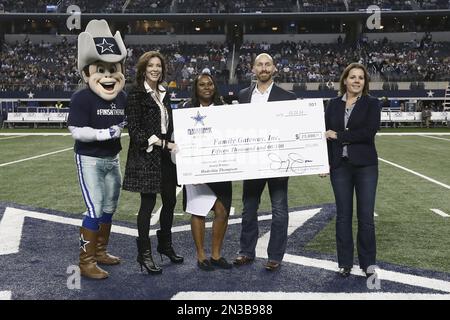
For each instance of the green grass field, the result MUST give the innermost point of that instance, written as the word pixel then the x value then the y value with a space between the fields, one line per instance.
pixel 408 232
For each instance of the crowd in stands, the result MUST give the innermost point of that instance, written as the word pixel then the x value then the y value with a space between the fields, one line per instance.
pixel 149 6
pixel 44 66
pixel 223 6
pixel 39 6
pixel 299 62
pixel 240 6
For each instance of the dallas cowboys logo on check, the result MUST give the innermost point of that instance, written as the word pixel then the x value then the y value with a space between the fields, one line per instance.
pixel 106 45
pixel 198 118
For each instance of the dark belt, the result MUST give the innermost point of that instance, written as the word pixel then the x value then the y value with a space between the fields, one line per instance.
pixel 344 158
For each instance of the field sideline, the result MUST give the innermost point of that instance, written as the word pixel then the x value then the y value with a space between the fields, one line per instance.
pixel 38 170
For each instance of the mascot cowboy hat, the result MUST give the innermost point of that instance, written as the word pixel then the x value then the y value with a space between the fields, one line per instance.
pixel 97 43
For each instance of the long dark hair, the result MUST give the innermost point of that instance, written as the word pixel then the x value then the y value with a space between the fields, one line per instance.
pixel 217 99
pixel 142 66
pixel 354 65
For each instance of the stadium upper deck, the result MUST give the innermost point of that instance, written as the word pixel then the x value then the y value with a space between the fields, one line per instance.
pixel 218 6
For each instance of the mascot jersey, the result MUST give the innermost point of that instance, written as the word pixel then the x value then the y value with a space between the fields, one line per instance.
pixel 87 109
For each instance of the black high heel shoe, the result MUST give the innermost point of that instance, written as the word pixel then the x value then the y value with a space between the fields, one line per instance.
pixel 145 258
pixel 165 247
pixel 344 272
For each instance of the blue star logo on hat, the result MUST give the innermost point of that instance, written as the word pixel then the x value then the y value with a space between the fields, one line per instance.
pixel 106 46
pixel 199 118
pixel 83 243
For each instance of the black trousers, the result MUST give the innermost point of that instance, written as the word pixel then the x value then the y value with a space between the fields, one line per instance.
pixel 168 197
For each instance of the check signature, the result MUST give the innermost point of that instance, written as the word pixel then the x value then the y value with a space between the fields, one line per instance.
pixel 294 162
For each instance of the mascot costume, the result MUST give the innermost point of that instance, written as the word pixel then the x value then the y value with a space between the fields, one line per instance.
pixel 96 120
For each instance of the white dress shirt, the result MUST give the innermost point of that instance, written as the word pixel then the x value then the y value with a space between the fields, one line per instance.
pixel 158 97
pixel 261 97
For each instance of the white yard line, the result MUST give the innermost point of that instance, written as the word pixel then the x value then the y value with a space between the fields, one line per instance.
pixel 431 137
pixel 5 295
pixel 13 137
pixel 35 157
pixel 35 134
pixel 237 295
pixel 441 213
pixel 416 173
pixel 404 278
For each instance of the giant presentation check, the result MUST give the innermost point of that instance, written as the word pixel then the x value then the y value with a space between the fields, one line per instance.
pixel 250 141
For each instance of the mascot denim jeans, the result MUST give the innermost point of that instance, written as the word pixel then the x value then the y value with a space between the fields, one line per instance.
pixel 100 182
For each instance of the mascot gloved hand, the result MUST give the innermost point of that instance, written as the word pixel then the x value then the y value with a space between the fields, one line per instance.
pixel 96 119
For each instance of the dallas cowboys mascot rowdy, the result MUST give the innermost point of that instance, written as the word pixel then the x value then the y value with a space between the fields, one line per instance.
pixel 96 120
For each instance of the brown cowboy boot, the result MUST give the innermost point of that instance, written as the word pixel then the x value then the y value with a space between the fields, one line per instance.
pixel 101 255
pixel 88 264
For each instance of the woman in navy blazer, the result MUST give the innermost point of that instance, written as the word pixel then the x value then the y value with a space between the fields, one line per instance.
pixel 352 120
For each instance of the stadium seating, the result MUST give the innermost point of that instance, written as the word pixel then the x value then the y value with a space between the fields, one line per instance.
pixel 52 67
pixel 222 6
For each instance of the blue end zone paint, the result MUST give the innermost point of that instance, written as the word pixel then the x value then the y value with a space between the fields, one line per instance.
pixel 38 271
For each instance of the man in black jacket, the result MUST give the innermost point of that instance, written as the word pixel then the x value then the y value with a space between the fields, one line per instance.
pixel 263 91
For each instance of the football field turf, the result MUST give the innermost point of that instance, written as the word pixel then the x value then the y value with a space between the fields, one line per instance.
pixel 39 171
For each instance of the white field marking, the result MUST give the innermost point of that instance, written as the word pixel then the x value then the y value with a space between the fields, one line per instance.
pixel 126 134
pixel 35 134
pixel 11 226
pixel 276 295
pixel 155 218
pixel 398 277
pixel 232 211
pixel 42 134
pixel 14 137
pixel 12 223
pixel 375 214
pixel 296 220
pixel 416 173
pixel 413 134
pixel 5 295
pixel 441 213
pixel 187 227
pixel 431 137
pixel 35 157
